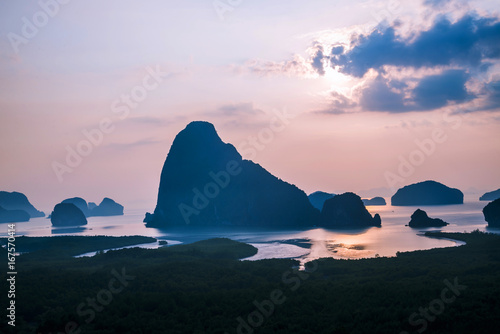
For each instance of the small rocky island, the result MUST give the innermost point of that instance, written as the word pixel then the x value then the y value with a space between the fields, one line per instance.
pixel 18 201
pixel 107 207
pixel 427 193
pixel 490 196
pixel 420 219
pixel 374 201
pixel 67 214
pixel 318 198
pixel 347 211
pixel 491 213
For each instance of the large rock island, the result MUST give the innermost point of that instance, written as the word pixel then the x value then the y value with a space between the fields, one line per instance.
pixel 420 219
pixel 491 213
pixel 205 182
pixel 318 198
pixel 490 196
pixel 18 201
pixel 427 193
pixel 347 210
pixel 67 214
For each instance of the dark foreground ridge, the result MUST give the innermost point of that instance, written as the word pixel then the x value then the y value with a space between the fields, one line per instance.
pixel 205 182
pixel 204 288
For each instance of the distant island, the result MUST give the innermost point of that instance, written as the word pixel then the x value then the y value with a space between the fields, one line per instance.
pixel 67 214
pixel 205 182
pixel 13 216
pixel 420 219
pixel 318 198
pixel 347 210
pixel 374 201
pixel 427 193
pixel 18 201
pixel 107 207
pixel 491 213
pixel 490 196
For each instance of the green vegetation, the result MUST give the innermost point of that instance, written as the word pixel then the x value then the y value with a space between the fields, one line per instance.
pixel 203 288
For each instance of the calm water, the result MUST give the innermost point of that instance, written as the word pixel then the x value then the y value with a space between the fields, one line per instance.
pixel 305 245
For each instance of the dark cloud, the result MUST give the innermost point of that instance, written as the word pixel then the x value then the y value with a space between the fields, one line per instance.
pixel 317 60
pixel 436 3
pixel 378 96
pixel 432 92
pixel 337 50
pixel 435 91
pixel 493 99
pixel 464 43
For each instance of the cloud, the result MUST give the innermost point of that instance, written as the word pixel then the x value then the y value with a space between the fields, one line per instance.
pixel 296 67
pixel 436 3
pixel 339 104
pixel 431 92
pixel 245 108
pixel 493 96
pixel 238 110
pixel 317 60
pixel 466 42
pixel 386 94
pixel 378 96
pixel 146 120
pixel 131 145
pixel 435 91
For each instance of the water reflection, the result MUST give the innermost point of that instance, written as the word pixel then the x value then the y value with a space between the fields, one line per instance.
pixel 306 245
pixel 68 230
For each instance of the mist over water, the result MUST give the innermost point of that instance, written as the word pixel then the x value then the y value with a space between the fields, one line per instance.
pixel 306 245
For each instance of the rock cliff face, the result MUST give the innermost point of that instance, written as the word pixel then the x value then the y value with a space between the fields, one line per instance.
pixel 427 193
pixel 18 201
pixel 491 213
pixel 80 204
pixel 205 182
pixel 420 219
pixel 347 210
pixel 318 198
pixel 13 216
pixel 490 196
pixel 67 214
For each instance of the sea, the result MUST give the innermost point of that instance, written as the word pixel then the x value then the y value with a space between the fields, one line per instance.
pixel 301 244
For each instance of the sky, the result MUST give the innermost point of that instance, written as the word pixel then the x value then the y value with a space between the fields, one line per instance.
pixel 340 95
